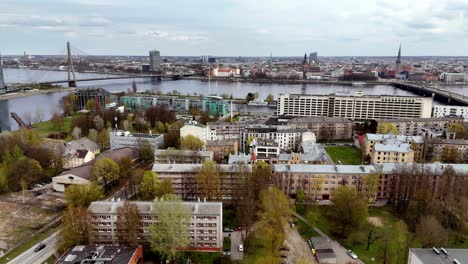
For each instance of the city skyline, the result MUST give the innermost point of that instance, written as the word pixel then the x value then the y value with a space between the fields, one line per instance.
pixel 236 27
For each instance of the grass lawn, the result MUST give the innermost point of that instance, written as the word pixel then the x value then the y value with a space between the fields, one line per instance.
pixel 347 155
pixel 31 242
pixel 47 127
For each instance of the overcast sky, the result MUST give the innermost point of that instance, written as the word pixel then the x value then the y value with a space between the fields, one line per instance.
pixel 236 27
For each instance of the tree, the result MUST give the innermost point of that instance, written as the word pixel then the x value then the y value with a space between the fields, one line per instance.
pixel 68 104
pixel 260 178
pixel 250 97
pixel 385 128
pixel 105 171
pixel 431 232
pixel 129 224
pixel 172 229
pixel 103 139
pixel 191 142
pixel 450 155
pixel 269 98
pixel 134 87
pixel 39 114
pixel 149 185
pixel 93 135
pixel 26 171
pixel 204 117
pixel 90 105
pixel 76 133
pixel 348 210
pixel 82 195
pixel 98 123
pixel 209 181
pixel 371 184
pixel 165 187
pixel 57 120
pixel 318 183
pixel 145 151
pixel 75 229
pixel 300 197
pixel 456 128
pixel 160 128
pixel 371 235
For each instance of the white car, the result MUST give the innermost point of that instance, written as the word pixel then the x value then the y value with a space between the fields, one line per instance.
pixel 241 248
pixel 351 254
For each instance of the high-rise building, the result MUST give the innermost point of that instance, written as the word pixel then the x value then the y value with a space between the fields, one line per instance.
pixel 2 80
pixel 313 58
pixel 155 60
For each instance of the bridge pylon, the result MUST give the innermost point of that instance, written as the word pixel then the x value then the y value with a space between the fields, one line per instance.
pixel 71 69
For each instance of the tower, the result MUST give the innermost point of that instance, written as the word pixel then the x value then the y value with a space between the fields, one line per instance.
pixel 305 67
pixel 2 80
pixel 398 62
pixel 155 60
pixel 71 69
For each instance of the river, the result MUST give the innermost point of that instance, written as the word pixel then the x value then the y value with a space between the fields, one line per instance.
pixel 47 103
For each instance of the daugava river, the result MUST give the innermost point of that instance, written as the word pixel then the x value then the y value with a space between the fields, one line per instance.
pixel 46 103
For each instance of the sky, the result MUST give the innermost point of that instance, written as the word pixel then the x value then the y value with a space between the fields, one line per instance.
pixel 236 27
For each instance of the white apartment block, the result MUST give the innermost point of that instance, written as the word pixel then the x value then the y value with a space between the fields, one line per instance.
pixel 287 138
pixel 205 229
pixel 358 107
pixel 450 110
pixel 122 139
pixel 204 133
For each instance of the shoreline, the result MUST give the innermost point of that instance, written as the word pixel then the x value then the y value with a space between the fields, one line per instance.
pixel 25 94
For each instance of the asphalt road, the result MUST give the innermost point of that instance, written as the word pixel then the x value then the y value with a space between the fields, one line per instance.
pixel 236 240
pixel 31 257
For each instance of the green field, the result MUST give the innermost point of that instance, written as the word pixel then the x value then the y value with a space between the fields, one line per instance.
pixel 43 129
pixel 347 155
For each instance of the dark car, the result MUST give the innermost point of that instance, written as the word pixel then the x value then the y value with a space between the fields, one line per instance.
pixel 39 247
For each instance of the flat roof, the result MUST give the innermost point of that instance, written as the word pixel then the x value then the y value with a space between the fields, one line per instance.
pixel 193 168
pixel 428 256
pixel 147 207
pixel 114 254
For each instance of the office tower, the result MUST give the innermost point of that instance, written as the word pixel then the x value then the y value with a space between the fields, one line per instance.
pixel 2 80
pixel 313 58
pixel 155 60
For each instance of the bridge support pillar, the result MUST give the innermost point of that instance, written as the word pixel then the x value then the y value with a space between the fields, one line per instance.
pixel 71 84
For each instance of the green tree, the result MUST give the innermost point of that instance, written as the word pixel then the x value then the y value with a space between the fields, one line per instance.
pixel 90 105
pixel 385 128
pixel 129 224
pixel 209 181
pixel 125 167
pixel 348 210
pixel 371 185
pixel 269 98
pixel 57 120
pixel 75 229
pixel 318 183
pixel 456 128
pixel 260 178
pixel 26 171
pixel 149 185
pixel 431 232
pixel 145 151
pixel 191 142
pixel 82 195
pixel 105 171
pixel 134 87
pixel 172 229
pixel 160 128
pixel 300 197
pixel 165 188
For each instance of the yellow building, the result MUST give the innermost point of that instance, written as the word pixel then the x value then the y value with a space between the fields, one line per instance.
pixel 390 148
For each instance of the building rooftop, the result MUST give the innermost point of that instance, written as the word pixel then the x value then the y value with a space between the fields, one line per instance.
pixel 239 158
pixel 106 254
pixel 395 138
pixel 122 133
pixel 82 143
pixel 400 148
pixel 148 207
pixel 429 256
pixel 193 168
pixel 424 120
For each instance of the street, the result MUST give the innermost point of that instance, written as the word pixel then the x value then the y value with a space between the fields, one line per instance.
pixel 31 257
pixel 236 240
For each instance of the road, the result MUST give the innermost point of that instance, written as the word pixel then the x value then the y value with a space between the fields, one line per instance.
pixel 31 257
pixel 236 240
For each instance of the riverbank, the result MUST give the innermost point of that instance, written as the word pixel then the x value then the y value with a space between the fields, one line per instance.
pixel 33 92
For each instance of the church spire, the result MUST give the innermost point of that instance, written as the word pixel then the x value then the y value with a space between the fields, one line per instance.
pixel 398 60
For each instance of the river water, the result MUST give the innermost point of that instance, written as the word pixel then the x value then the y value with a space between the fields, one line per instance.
pixel 47 103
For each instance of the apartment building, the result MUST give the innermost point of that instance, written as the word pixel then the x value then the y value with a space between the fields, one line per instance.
pixel 436 147
pixel 182 156
pixel 389 148
pixel 357 107
pixel 102 254
pixel 287 138
pixel 205 229
pixel 414 126
pixel 184 183
pixel 267 150
pixel 202 132
pixel 325 128
pixel 222 148
pixel 450 110
pixel 121 139
pixel 319 181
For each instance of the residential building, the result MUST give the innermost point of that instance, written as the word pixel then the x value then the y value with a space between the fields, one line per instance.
pixel 390 148
pixel 82 174
pixel 287 138
pixel 202 132
pixel 222 148
pixel 76 157
pixel 205 231
pixel 437 148
pixel 182 156
pixel 267 150
pixel 224 72
pixel 437 256
pixel 2 79
pixel 241 158
pixel 155 60
pixel 357 107
pixel 319 181
pixel 121 139
pixel 450 110
pixel 184 182
pixel 104 255
pixel 83 143
pixel 99 95
pixel 311 153
pixel 414 126
pixel 214 105
pixel 325 128
pixel 437 132
pixel 226 130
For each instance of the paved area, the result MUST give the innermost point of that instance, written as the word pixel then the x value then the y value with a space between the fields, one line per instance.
pixel 236 240
pixel 31 257
pixel 298 248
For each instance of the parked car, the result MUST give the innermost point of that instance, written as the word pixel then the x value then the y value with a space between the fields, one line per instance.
pixel 92 255
pixel 241 248
pixel 37 193
pixel 351 254
pixel 238 228
pixel 226 253
pixel 39 247
pixel 228 230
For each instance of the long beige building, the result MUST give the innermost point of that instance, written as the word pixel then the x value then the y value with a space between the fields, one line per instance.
pixel 359 107
pixel 415 126
pixel 389 148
